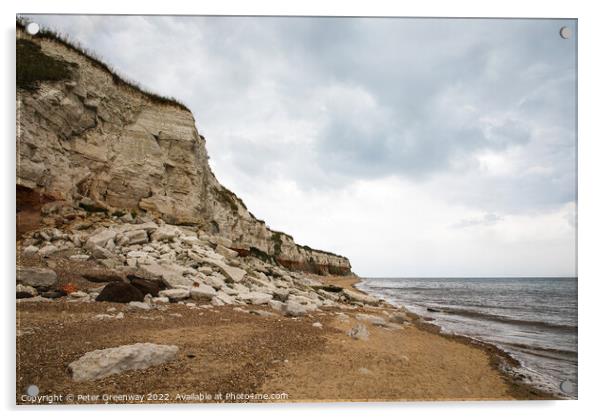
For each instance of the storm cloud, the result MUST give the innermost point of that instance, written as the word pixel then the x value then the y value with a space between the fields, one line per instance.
pixel 459 131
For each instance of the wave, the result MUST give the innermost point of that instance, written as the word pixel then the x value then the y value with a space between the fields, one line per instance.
pixel 504 319
pixel 540 349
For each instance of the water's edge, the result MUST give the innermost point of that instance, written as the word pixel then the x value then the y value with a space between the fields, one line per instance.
pixel 505 362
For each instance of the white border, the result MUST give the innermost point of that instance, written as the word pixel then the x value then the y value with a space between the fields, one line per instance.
pixel 590 210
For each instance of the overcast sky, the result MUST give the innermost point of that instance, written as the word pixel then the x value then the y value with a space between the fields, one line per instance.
pixel 416 147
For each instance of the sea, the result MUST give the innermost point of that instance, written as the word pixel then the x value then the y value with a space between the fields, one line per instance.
pixel 532 319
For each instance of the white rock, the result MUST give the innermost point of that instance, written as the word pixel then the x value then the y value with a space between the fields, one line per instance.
pixel 137 254
pixel 317 324
pixel 166 232
pixel 281 294
pixel 172 275
pixel 256 298
pixel 233 274
pixel 79 295
pixel 138 305
pixel 103 363
pixel 215 282
pixel 175 294
pixel 47 250
pixel 224 251
pixel 399 317
pixel 160 300
pixel 100 253
pixel 295 309
pixel 276 305
pixel 30 250
pixel 79 258
pixel 207 270
pixel 100 239
pixel 220 240
pixel 110 246
pixel 359 297
pixel 230 291
pixel 36 277
pixel 223 297
pixel 27 289
pixel 359 331
pixel 202 292
pixel 136 236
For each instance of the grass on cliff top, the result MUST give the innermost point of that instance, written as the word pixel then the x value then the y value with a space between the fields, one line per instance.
pixel 33 66
pixel 97 62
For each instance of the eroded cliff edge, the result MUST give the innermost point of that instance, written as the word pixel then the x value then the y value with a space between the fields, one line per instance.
pixel 87 138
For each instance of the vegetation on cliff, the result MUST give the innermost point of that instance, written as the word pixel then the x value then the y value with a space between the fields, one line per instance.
pixel 95 60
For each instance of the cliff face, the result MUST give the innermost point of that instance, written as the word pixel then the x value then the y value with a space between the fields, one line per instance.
pixel 89 140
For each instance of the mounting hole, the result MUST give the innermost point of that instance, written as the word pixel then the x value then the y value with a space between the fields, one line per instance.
pixel 32 28
pixel 565 32
pixel 33 390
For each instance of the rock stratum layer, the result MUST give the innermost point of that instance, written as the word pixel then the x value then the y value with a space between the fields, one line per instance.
pixel 91 140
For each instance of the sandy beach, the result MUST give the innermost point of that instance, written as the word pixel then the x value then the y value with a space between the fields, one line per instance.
pixel 237 353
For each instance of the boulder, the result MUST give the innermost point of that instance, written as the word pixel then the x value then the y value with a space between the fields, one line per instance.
pixel 30 250
pixel 146 286
pixel 137 305
pixel 223 298
pixel 148 226
pixel 36 277
pixel 25 291
pixel 215 282
pixel 256 298
pixel 276 305
pixel 359 332
pixel 175 294
pixel 281 294
pixel 100 239
pixel 105 362
pixel 165 233
pixel 232 274
pixel 136 237
pixel 47 250
pixel 160 300
pixel 328 288
pixel 207 270
pixel 171 275
pixel 98 252
pixel 202 292
pixel 120 292
pixel 399 317
pixel 359 297
pixel 294 309
pixel 224 251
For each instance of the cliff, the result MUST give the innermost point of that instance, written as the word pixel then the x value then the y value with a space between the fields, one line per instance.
pixel 87 137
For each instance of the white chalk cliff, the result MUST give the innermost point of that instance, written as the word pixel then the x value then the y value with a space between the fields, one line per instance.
pixel 93 140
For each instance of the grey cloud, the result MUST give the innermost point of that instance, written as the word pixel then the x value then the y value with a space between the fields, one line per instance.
pixel 486 220
pixel 426 96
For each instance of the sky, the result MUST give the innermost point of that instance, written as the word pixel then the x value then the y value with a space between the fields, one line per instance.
pixel 415 147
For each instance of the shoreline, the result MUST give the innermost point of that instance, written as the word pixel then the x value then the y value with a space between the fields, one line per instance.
pixel 501 360
pixel 253 349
